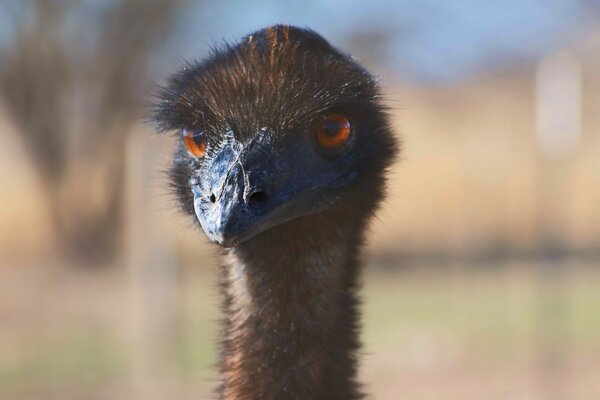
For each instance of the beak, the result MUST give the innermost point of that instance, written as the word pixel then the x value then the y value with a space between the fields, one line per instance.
pixel 230 208
pixel 248 189
pixel 240 196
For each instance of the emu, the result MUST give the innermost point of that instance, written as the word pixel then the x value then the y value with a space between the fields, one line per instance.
pixel 283 147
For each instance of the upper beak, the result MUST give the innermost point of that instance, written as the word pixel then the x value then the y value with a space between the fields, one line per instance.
pixel 249 189
pixel 230 208
pixel 240 198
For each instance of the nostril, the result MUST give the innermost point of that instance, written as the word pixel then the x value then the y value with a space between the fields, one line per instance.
pixel 257 197
pixel 212 198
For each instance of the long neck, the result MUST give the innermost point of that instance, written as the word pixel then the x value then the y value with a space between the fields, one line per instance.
pixel 291 315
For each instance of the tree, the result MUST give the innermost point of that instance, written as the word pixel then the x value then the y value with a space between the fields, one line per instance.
pixel 74 91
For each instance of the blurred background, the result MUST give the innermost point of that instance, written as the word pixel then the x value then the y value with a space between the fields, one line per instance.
pixel 483 276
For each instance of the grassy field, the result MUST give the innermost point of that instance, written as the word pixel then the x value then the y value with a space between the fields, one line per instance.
pixel 510 331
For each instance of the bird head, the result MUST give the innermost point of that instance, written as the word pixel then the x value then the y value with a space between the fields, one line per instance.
pixel 274 128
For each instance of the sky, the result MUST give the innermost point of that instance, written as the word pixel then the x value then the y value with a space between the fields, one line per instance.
pixel 421 41
pixel 426 41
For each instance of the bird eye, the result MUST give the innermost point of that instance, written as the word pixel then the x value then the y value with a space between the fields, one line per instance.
pixel 333 131
pixel 195 143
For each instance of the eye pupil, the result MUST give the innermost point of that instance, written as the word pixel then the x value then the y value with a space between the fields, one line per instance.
pixel 195 143
pixel 333 131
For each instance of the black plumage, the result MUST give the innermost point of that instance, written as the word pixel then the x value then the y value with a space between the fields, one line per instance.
pixel 290 213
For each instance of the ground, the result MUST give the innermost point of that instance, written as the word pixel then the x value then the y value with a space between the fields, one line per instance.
pixel 505 331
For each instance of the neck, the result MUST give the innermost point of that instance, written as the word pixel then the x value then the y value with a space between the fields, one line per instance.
pixel 291 314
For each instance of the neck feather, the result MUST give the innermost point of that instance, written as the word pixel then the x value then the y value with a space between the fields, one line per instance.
pixel 291 314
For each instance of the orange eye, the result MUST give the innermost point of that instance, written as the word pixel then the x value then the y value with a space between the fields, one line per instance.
pixel 195 143
pixel 333 131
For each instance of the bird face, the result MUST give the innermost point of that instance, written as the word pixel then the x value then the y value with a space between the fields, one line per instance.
pixel 244 187
pixel 278 127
